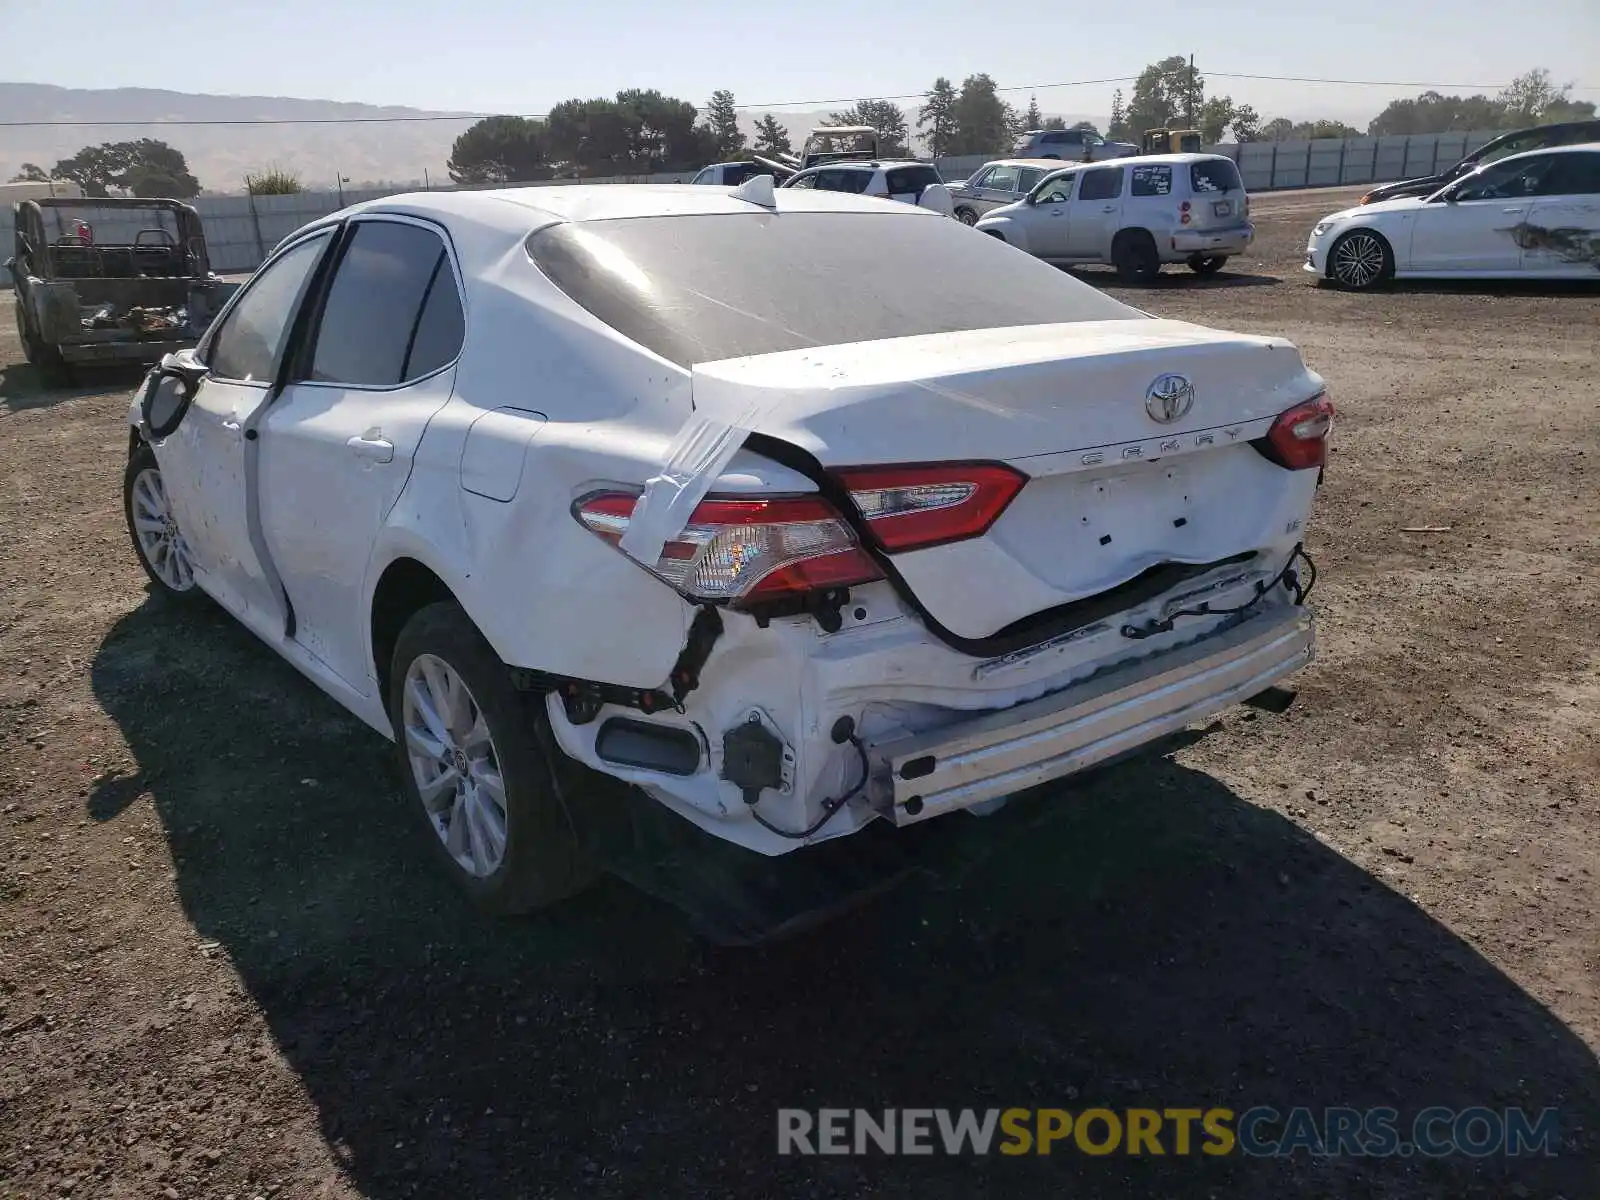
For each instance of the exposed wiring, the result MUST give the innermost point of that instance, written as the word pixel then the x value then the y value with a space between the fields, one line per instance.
pixel 829 807
pixel 1288 576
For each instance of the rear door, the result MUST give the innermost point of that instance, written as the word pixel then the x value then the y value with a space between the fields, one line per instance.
pixel 338 443
pixel 1096 213
pixel 1215 193
pixel 1560 237
pixel 207 463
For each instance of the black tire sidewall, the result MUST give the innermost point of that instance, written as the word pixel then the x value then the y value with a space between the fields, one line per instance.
pixel 1207 264
pixel 144 459
pixel 543 862
pixel 1135 257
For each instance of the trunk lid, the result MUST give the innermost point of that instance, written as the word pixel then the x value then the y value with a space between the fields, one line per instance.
pixel 1127 469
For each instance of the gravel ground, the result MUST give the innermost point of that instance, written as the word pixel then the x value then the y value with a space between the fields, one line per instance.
pixel 227 967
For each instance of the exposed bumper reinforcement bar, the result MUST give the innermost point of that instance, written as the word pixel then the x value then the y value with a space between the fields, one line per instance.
pixel 1005 752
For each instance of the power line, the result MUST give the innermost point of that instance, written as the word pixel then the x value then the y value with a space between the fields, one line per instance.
pixel 770 105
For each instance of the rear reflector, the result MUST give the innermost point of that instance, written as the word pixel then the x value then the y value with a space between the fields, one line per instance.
pixel 745 551
pixel 1298 439
pixel 921 505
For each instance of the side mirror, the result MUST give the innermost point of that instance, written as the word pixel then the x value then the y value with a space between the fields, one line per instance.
pixel 168 391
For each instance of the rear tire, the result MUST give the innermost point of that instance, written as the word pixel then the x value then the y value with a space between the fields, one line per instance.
pixel 477 746
pixel 966 216
pixel 53 369
pixel 157 541
pixel 1204 264
pixel 1135 256
pixel 1361 260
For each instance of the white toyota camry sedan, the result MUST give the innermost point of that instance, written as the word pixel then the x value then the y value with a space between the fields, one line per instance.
pixel 1526 216
pixel 725 494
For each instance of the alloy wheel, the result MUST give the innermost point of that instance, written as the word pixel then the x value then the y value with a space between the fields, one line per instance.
pixel 1358 260
pixel 455 765
pixel 157 533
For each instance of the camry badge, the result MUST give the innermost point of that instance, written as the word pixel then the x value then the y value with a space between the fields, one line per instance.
pixel 1169 398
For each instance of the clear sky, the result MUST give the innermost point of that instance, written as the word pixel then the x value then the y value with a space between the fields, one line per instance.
pixel 521 56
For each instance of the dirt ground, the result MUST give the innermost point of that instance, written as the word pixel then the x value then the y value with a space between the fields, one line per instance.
pixel 228 969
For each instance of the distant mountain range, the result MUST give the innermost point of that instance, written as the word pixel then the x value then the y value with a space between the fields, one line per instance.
pixel 393 152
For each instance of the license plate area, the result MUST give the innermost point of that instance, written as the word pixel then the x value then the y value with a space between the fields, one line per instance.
pixel 1222 208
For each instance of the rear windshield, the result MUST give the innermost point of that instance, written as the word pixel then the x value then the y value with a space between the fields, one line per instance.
pixel 701 288
pixel 911 179
pixel 1215 175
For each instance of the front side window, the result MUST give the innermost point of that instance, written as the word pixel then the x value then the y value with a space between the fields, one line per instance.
pixel 1057 190
pixel 1003 179
pixel 1103 184
pixel 705 176
pixel 1507 180
pixel 1028 179
pixel 248 343
pixel 370 321
pixel 1152 180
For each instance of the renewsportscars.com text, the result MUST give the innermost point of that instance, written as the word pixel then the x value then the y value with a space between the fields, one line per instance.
pixel 1261 1132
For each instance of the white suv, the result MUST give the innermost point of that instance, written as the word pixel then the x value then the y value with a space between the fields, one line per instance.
pixel 1136 214
pixel 910 182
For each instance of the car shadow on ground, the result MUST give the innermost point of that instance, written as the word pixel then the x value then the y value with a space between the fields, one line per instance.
pixel 1144 939
pixel 1177 279
pixel 22 387
pixel 1497 287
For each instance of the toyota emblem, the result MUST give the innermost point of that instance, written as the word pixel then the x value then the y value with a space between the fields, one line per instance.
pixel 1169 398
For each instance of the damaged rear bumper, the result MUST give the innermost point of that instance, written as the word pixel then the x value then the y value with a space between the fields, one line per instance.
pixel 1004 752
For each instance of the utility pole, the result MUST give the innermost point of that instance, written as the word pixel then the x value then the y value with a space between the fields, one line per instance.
pixel 1189 117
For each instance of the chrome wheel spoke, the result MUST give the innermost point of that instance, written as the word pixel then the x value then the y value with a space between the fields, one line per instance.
pixel 422 699
pixel 425 743
pixel 440 792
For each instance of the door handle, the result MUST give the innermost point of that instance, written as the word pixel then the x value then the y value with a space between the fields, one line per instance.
pixel 371 446
pixel 1109 208
pixel 1512 211
pixel 1055 212
pixel 230 425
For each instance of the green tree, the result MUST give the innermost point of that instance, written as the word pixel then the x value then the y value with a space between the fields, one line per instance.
pixel 1432 112
pixel 983 121
pixel 500 150
pixel 771 137
pixel 1279 129
pixel 146 167
pixel 1117 128
pixel 1165 93
pixel 1532 99
pixel 31 173
pixel 936 119
pixel 1032 118
pixel 641 132
pixel 1054 123
pixel 1087 126
pixel 884 116
pixel 274 181
pixel 722 122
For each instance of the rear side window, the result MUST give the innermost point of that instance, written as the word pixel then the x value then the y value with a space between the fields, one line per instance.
pixel 1152 181
pixel 697 289
pixel 1215 175
pixel 1028 179
pixel 911 180
pixel 1063 137
pixel 383 287
pixel 843 181
pixel 1103 184
pixel 1575 174
pixel 736 175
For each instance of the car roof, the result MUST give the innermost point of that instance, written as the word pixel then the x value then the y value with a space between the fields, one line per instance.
pixel 874 164
pixel 1047 163
pixel 1569 148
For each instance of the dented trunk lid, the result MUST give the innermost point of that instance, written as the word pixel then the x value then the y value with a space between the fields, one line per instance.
pixel 1135 436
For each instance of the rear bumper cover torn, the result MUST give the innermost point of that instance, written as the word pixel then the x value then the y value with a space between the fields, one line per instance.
pixel 1005 752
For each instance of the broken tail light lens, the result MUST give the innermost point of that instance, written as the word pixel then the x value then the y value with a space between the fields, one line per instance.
pixel 917 506
pixel 1298 439
pixel 746 550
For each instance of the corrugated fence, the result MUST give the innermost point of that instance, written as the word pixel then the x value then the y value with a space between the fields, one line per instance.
pixel 241 230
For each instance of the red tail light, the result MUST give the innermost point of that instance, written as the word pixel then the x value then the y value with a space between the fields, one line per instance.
pixel 1298 439
pixel 745 550
pixel 918 506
